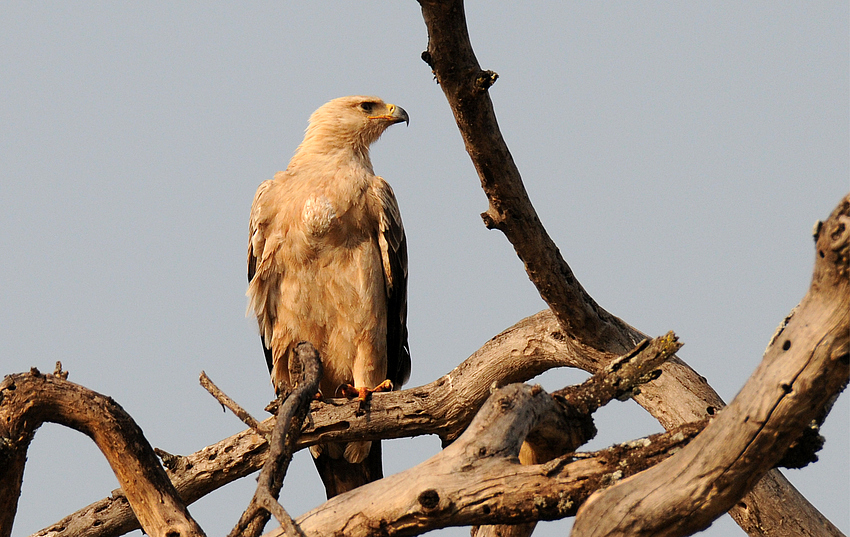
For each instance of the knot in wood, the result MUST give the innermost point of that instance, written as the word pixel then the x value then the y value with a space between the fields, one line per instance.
pixel 429 499
pixel 426 57
pixel 484 80
pixel 489 221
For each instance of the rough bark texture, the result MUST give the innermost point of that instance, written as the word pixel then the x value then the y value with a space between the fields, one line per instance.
pixel 478 478
pixel 680 395
pixel 576 332
pixel 806 364
pixel 30 399
pixel 465 85
pixel 305 369
pixel 444 407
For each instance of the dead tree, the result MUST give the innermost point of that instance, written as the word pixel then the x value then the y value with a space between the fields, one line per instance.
pixel 513 444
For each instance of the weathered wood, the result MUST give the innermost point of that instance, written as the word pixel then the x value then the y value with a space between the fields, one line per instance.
pixel 30 399
pixel 619 379
pixel 680 395
pixel 465 85
pixel 805 366
pixel 478 479
pixel 305 369
pixel 444 407
pixel 230 404
pixel 623 377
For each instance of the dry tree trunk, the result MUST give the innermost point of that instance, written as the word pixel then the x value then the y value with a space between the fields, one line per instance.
pixel 680 395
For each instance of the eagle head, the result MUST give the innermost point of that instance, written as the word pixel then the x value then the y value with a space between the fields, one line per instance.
pixel 355 122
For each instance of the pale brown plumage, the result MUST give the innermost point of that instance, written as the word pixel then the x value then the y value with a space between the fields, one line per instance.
pixel 327 263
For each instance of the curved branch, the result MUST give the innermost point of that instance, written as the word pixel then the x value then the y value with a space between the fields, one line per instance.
pixel 444 407
pixel 805 366
pixel 465 85
pixel 306 368
pixel 30 399
pixel 478 479
pixel 680 395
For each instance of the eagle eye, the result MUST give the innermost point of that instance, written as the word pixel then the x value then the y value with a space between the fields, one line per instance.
pixel 367 106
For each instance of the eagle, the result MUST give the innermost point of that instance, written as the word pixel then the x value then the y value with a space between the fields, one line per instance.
pixel 327 263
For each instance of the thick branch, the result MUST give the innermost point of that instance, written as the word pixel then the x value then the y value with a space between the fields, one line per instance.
pixel 478 478
pixel 805 366
pixel 465 85
pixel 444 407
pixel 680 395
pixel 30 399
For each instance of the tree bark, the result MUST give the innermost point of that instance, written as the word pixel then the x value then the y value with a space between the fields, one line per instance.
pixel 806 364
pixel 444 407
pixel 30 399
pixel 305 368
pixel 478 479
pixel 680 395
pixel 577 332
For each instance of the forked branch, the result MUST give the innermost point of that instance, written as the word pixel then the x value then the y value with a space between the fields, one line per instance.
pixel 478 478
pixel 306 369
pixel 444 407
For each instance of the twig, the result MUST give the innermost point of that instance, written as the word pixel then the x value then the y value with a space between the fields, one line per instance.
pixel 234 407
pixel 621 379
pixel 281 515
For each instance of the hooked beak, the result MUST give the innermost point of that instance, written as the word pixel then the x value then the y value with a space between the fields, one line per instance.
pixel 396 114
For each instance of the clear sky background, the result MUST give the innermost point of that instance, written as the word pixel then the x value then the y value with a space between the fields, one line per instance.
pixel 678 153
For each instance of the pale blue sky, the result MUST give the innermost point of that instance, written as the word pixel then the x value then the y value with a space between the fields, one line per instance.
pixel 678 153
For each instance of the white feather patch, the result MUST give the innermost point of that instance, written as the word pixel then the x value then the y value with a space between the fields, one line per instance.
pixel 318 214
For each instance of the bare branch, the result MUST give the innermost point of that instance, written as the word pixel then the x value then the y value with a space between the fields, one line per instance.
pixel 478 478
pixel 444 407
pixel 306 368
pixel 234 407
pixel 805 366
pixel 621 378
pixel 680 395
pixel 30 399
pixel 465 86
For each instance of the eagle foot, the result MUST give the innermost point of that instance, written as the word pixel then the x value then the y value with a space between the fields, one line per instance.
pixel 363 393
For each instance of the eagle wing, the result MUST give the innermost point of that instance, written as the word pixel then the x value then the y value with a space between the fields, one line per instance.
pixel 262 279
pixel 393 245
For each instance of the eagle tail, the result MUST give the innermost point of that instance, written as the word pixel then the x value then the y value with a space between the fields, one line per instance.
pixel 340 476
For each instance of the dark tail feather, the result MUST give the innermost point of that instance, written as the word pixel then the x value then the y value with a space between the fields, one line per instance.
pixel 340 476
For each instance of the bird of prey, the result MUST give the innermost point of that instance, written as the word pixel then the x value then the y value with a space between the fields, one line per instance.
pixel 327 263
